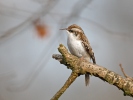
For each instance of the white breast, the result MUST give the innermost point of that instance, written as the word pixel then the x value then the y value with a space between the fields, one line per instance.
pixel 76 48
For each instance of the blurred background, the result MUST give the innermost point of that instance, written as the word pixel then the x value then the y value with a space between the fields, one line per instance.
pixel 29 35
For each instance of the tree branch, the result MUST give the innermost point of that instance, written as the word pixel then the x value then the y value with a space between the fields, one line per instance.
pixel 80 68
pixel 70 80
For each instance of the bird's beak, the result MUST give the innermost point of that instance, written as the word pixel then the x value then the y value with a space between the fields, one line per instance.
pixel 64 29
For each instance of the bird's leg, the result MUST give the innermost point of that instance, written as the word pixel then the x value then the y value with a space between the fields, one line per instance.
pixel 81 59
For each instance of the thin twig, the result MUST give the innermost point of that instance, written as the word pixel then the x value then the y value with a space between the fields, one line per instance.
pixel 123 70
pixel 57 57
pixel 128 77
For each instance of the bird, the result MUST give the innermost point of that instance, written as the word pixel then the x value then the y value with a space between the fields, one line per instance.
pixel 79 46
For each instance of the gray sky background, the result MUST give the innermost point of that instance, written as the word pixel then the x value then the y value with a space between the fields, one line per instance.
pixel 27 70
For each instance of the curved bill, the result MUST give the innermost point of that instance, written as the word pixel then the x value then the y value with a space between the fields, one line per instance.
pixel 63 29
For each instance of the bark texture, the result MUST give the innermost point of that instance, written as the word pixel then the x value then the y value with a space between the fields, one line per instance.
pixel 80 68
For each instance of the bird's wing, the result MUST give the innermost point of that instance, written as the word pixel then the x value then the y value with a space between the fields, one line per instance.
pixel 86 44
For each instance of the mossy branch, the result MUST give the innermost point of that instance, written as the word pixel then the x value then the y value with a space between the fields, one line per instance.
pixel 80 68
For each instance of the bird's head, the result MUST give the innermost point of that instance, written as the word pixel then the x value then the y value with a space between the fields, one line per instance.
pixel 74 30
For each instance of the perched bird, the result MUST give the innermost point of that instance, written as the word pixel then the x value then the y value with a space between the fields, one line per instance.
pixel 79 45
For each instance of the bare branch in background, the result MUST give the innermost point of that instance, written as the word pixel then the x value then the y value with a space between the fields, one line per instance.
pixel 11 12
pixel 80 68
pixel 18 29
pixel 107 30
pixel 77 10
pixel 42 61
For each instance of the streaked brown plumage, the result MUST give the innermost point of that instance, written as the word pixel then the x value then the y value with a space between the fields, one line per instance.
pixel 79 45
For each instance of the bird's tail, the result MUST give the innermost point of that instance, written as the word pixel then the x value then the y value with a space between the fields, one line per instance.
pixel 87 79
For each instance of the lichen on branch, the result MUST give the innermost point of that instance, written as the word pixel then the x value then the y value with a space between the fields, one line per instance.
pixel 80 68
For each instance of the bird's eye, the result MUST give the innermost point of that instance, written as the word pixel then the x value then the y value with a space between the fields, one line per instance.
pixel 75 34
pixel 71 31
